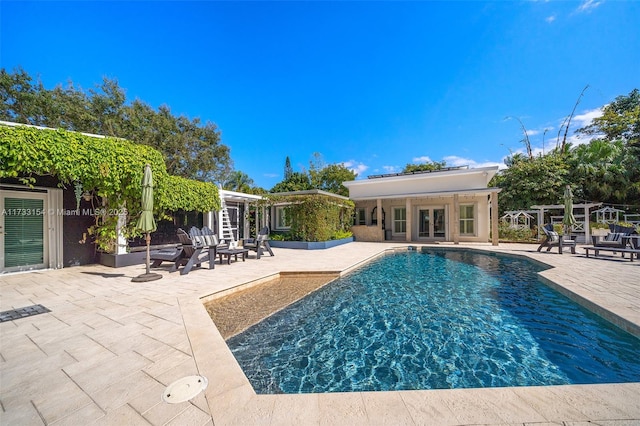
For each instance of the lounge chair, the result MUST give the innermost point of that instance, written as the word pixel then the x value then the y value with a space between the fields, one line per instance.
pixel 205 237
pixel 166 255
pixel 553 239
pixel 194 253
pixel 259 244
pixel 616 238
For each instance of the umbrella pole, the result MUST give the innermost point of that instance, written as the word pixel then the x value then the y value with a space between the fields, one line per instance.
pixel 148 276
pixel 148 252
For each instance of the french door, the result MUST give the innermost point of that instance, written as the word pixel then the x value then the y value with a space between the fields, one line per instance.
pixel 23 235
pixel 432 223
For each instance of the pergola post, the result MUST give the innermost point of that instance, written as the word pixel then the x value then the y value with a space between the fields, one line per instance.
pixel 587 228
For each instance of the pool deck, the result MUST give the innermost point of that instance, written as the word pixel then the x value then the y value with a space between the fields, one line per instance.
pixel 109 347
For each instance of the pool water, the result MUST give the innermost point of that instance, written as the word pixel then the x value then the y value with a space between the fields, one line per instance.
pixel 435 320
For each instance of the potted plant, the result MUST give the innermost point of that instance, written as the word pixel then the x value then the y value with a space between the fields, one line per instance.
pixel 599 229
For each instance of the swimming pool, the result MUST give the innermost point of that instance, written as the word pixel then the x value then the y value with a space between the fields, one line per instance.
pixel 440 319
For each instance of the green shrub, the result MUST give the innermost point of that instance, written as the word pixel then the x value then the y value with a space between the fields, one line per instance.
pixel 510 234
pixel 314 217
pixel 342 234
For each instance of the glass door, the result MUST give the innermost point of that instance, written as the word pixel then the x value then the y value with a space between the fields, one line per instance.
pixel 431 223
pixel 424 223
pixel 439 228
pixel 22 232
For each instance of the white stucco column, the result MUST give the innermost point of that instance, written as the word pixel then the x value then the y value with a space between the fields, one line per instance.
pixel 379 218
pixel 456 219
pixel 495 238
pixel 409 219
pixel 121 241
pixel 207 219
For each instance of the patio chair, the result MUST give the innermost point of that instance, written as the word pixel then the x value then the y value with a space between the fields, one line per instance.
pixel 616 237
pixel 194 253
pixel 206 237
pixel 259 244
pixel 553 239
pixel 612 240
pixel 166 255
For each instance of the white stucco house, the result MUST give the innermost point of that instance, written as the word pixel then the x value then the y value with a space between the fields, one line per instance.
pixel 453 204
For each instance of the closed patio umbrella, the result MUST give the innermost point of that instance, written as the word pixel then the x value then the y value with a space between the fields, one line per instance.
pixel 568 220
pixel 146 223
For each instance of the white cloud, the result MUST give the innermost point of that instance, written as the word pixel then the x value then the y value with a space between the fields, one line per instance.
pixel 587 117
pixel 550 19
pixel 423 159
pixel 391 169
pixel 533 132
pixel 355 166
pixel 588 5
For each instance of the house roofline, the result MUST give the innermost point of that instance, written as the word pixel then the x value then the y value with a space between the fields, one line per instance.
pixel 478 191
pixel 421 176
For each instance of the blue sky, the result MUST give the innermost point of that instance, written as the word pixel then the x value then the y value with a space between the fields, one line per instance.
pixel 373 85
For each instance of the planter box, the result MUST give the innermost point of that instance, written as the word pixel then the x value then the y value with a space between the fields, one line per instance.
pixel 599 232
pixel 306 245
pixel 137 256
pixel 120 260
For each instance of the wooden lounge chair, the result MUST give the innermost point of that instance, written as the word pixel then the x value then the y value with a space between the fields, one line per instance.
pixel 166 255
pixel 259 244
pixel 194 253
pixel 553 239
pixel 616 238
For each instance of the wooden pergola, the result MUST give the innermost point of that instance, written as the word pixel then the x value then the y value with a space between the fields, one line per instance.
pixel 608 215
pixel 580 227
pixel 518 219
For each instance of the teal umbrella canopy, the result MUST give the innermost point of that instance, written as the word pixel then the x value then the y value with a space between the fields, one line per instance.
pixel 147 223
pixel 568 220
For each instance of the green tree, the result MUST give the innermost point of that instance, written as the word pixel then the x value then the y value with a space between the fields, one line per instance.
pixel 288 170
pixel 426 166
pixel 528 182
pixel 20 97
pixel 599 170
pixel 331 177
pixel 238 181
pixel 620 121
pixel 297 182
pixel 615 161
pixel 191 149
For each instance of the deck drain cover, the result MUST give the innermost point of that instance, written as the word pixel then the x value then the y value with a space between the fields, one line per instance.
pixel 184 389
pixel 27 311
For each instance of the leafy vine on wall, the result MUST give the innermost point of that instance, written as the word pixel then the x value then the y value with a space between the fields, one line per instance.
pixel 110 167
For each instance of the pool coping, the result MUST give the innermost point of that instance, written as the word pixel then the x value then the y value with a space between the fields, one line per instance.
pixel 232 400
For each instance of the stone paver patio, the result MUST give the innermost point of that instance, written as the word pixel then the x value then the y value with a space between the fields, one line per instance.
pixel 109 347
